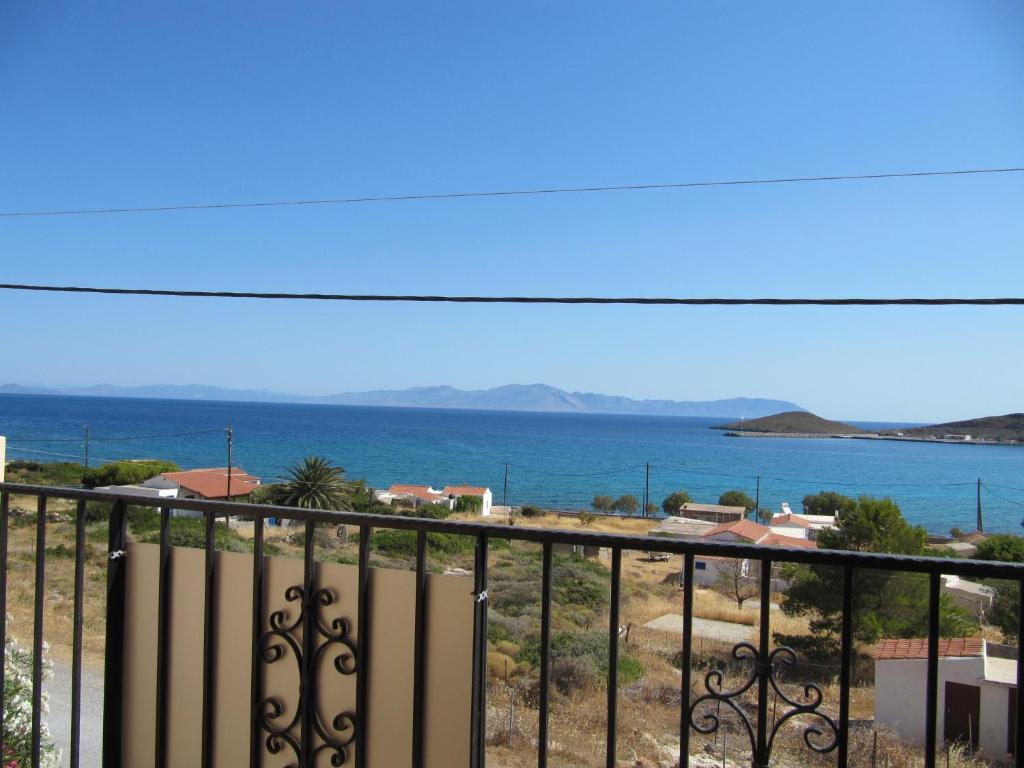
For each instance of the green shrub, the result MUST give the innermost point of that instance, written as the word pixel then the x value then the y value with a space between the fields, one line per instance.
pixel 531 511
pixel 62 551
pixel 126 472
pixel 44 472
pixel 403 543
pixel 191 532
pixel 469 504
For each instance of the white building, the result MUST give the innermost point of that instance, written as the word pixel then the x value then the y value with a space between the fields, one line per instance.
pixel 484 494
pixel 446 497
pixel 974 597
pixel 789 523
pixel 210 483
pixel 685 528
pixel 140 490
pixel 707 569
pixel 977 691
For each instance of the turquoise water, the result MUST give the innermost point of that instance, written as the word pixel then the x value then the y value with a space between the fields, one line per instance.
pixel 557 460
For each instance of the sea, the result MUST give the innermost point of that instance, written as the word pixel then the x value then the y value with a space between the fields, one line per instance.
pixel 554 460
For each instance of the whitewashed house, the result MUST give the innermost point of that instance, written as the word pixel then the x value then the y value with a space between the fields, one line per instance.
pixel 707 570
pixel 210 483
pixel 977 692
pixel 446 497
pixel 484 494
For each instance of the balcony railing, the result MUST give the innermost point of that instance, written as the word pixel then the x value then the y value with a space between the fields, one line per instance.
pixel 304 736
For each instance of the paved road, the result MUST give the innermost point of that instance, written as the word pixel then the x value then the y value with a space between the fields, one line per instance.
pixel 59 719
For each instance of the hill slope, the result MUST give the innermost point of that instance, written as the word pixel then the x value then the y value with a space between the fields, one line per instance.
pixel 1007 428
pixel 792 423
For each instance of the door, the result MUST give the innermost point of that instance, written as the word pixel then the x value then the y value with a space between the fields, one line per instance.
pixel 963 706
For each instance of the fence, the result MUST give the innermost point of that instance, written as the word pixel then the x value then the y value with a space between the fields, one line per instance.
pixel 273 726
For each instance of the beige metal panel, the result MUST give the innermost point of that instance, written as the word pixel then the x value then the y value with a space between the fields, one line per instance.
pixel 449 677
pixel 392 624
pixel 184 654
pixel 140 627
pixel 233 661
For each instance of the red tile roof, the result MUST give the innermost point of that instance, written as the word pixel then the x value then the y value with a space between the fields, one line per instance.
pixel 464 490
pixel 419 491
pixel 213 483
pixel 917 647
pixel 790 517
pixel 780 540
pixel 745 529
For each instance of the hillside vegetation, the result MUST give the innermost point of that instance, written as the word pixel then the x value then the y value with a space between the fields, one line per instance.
pixel 792 423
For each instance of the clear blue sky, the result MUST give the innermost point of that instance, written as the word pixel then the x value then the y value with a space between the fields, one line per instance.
pixel 140 104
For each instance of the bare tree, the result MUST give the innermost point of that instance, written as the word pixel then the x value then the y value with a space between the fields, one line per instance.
pixel 735 581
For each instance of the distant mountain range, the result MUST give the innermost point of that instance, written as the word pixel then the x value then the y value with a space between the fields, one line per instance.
pixel 511 397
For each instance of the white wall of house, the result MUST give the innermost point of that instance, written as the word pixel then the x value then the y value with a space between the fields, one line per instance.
pixel 707 572
pixel 485 508
pixel 792 530
pixel 900 687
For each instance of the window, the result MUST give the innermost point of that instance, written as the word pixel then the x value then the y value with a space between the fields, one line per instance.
pixel 700 566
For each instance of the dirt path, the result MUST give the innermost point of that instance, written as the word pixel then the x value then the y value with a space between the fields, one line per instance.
pixel 59 718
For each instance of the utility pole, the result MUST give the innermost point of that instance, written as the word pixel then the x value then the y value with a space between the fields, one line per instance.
pixel 85 443
pixel 981 525
pixel 231 438
pixel 757 500
pixel 647 488
pixel 504 493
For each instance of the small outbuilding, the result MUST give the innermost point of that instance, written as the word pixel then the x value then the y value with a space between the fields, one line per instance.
pixel 977 692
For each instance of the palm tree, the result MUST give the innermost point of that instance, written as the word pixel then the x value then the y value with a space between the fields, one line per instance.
pixel 315 483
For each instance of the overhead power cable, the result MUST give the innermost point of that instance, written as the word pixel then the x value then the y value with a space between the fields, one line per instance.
pixel 508 193
pixel 434 299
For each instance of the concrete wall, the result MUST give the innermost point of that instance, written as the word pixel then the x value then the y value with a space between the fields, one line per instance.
pixel 900 686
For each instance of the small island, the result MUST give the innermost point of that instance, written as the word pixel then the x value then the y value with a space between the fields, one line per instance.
pixel 789 424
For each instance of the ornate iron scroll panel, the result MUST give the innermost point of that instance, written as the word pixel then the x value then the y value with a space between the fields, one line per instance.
pixel 821 736
pixel 283 730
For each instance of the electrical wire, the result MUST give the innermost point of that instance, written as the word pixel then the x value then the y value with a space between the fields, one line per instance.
pixel 509 193
pixel 1001 497
pixel 435 299
pixel 93 438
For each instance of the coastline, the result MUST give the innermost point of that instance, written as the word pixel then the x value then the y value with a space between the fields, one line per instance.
pixel 869 436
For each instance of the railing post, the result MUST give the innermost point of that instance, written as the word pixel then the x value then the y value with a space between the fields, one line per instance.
pixel 932 683
pixel 5 506
pixel 1018 752
pixel 613 658
pixel 684 690
pixel 113 666
pixel 764 671
pixel 256 668
pixel 478 723
pixel 363 647
pixel 846 650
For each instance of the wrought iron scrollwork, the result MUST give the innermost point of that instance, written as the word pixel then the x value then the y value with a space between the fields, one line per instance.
pixel 307 636
pixel 821 736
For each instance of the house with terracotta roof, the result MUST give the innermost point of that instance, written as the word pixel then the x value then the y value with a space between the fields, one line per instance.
pixel 713 513
pixel 211 483
pixel 708 570
pixel 472 491
pixel 425 494
pixel 977 691
pixel 805 526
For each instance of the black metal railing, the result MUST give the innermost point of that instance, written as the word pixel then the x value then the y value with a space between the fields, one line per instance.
pixel 307 737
